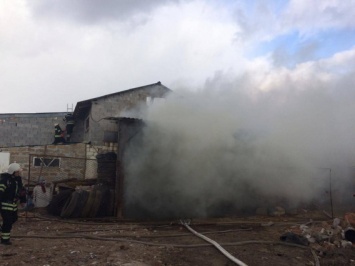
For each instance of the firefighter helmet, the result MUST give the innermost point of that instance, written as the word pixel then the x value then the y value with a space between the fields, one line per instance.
pixel 14 167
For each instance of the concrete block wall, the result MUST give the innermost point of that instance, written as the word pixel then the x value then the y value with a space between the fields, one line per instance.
pixel 72 167
pixel 78 134
pixel 29 129
pixel 92 151
pixel 77 160
pixel 38 128
pixel 132 103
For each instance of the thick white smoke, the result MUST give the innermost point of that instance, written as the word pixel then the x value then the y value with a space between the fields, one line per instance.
pixel 232 147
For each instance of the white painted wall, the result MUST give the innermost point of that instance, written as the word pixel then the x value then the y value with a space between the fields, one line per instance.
pixel 4 161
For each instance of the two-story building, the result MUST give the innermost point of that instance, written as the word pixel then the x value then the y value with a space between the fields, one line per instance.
pixel 103 125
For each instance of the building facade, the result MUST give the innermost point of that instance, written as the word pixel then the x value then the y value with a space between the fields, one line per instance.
pixel 102 125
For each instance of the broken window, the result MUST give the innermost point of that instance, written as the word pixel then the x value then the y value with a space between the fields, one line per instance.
pixel 46 162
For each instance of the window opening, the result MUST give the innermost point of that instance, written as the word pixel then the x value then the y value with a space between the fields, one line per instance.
pixel 46 162
pixel 87 124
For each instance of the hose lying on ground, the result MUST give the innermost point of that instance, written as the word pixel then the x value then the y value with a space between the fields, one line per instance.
pixel 214 243
pixel 250 242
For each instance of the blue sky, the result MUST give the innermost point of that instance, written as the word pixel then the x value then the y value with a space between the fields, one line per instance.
pixel 68 52
pixel 322 45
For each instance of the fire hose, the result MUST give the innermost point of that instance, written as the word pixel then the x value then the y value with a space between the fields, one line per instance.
pixel 214 243
pixel 118 238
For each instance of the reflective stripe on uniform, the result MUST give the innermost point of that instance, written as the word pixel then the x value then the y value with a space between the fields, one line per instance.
pixel 5 236
pixel 2 187
pixel 9 206
pixel 8 209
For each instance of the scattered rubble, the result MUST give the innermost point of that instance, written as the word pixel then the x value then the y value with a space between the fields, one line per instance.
pixel 324 237
pixel 309 238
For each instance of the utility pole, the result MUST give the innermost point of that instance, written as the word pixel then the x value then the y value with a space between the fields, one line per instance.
pixel 330 192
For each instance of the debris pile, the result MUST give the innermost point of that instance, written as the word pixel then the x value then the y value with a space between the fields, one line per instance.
pixel 324 237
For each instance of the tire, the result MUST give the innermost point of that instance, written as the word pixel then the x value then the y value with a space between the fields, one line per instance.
pixel 105 202
pixel 70 205
pixel 84 195
pixel 88 204
pixel 111 156
pixel 58 201
pixel 111 203
pixel 96 204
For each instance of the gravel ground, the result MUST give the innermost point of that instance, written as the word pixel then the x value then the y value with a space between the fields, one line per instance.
pixel 40 239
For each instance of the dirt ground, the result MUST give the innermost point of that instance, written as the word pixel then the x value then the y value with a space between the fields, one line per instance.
pixel 40 239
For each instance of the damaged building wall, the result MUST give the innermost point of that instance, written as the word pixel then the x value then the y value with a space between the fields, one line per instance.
pixel 92 125
pixel 78 131
pixel 104 124
pixel 28 129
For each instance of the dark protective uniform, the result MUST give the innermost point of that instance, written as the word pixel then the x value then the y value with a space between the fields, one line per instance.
pixel 58 134
pixel 11 190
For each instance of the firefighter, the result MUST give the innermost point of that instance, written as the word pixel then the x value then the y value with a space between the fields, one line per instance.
pixel 58 134
pixel 11 190
pixel 69 119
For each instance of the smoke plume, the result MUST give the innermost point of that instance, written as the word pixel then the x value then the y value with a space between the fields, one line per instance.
pixel 231 148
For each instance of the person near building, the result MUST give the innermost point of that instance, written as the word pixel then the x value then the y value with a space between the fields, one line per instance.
pixel 29 200
pixel 69 119
pixel 42 194
pixel 58 134
pixel 11 191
